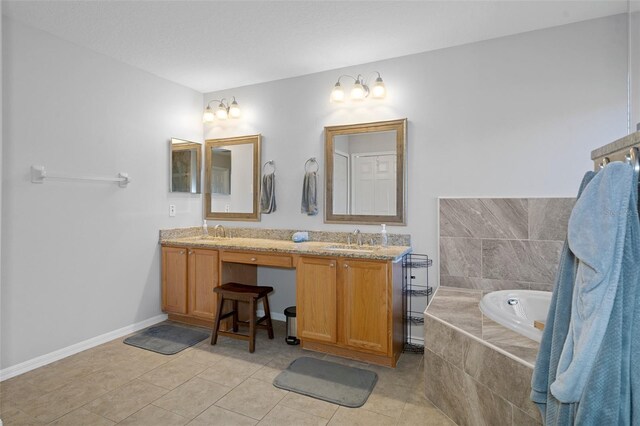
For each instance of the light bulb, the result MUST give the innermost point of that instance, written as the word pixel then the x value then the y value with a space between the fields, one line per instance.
pixel 208 115
pixel 357 91
pixel 234 109
pixel 221 112
pixel 379 91
pixel 337 95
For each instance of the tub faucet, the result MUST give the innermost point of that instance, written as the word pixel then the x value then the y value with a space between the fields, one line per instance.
pixel 358 236
pixel 215 230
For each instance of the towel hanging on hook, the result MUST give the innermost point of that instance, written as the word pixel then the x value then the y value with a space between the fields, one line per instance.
pixel 268 189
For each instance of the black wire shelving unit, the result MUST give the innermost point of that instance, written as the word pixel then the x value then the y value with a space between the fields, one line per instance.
pixel 415 285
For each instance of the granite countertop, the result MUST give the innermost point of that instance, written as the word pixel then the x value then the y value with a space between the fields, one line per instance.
pixel 460 308
pixel 318 248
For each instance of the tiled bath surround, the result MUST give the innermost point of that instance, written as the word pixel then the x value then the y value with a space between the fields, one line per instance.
pixel 476 371
pixel 502 243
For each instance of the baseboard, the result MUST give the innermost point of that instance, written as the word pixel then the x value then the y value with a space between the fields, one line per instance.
pixel 32 364
pixel 274 315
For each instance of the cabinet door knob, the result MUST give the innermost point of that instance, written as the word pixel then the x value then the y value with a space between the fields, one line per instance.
pixel 332 265
pixel 190 251
pixel 346 265
pixel 253 259
pixel 181 251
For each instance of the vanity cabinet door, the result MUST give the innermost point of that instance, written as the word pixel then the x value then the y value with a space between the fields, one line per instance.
pixel 364 289
pixel 316 299
pixel 203 277
pixel 174 280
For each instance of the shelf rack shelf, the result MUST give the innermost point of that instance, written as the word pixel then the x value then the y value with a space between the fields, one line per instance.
pixel 414 288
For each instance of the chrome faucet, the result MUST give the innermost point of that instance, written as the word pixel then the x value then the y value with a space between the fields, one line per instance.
pixel 215 230
pixel 358 236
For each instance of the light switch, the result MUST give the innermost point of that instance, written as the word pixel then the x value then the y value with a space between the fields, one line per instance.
pixel 172 210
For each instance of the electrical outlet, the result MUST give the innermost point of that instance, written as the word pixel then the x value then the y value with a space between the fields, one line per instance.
pixel 227 207
pixel 172 210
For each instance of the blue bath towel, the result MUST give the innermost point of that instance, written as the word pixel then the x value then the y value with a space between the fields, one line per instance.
pixel 555 332
pixel 596 236
pixel 611 394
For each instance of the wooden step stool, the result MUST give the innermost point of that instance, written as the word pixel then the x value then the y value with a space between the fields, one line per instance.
pixel 236 292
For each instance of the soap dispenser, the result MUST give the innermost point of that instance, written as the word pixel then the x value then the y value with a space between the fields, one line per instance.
pixel 384 240
pixel 205 230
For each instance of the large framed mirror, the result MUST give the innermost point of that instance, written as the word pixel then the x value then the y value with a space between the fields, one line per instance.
pixel 232 171
pixel 185 166
pixel 366 171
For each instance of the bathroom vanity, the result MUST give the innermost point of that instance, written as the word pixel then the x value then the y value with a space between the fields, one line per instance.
pixel 349 299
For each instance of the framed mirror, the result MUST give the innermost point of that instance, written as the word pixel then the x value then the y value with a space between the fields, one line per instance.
pixel 185 166
pixel 365 176
pixel 232 174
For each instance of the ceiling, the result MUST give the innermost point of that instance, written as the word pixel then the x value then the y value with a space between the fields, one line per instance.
pixel 214 45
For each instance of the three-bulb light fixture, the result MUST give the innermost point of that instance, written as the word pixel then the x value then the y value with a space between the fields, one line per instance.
pixel 360 89
pixel 223 111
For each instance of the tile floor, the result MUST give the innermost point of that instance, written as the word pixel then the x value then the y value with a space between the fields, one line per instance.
pixel 203 385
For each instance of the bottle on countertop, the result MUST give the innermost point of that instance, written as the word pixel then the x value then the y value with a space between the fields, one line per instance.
pixel 205 230
pixel 384 239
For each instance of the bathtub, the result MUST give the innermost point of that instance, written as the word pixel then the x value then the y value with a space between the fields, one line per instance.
pixel 517 310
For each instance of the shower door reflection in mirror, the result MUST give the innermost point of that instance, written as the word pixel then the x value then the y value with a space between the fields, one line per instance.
pixel 185 166
pixel 232 172
pixel 366 172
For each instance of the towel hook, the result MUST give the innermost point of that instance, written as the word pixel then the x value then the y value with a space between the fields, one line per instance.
pixel 634 159
pixel 311 161
pixel 269 163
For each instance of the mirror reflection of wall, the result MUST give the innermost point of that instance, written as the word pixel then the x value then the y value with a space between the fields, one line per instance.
pixel 232 179
pixel 185 166
pixel 364 174
pixel 232 172
pixel 221 171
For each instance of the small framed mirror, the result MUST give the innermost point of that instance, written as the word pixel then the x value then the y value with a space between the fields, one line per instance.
pixel 232 174
pixel 185 166
pixel 365 177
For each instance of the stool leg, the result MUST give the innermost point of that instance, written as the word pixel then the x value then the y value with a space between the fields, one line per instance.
pixel 267 312
pixel 216 322
pixel 235 316
pixel 252 325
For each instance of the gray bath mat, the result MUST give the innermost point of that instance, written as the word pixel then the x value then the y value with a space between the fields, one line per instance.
pixel 167 339
pixel 348 386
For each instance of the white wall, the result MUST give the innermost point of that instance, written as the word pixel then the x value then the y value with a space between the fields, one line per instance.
pixel 515 116
pixel 81 259
pixel 634 67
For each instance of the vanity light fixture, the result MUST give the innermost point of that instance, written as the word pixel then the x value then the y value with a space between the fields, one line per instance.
pixel 360 89
pixel 222 112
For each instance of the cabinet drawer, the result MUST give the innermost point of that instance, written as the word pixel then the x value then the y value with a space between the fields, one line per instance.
pixel 258 259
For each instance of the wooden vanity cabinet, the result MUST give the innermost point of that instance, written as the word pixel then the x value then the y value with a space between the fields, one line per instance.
pixel 316 299
pixel 366 297
pixel 188 278
pixel 350 307
pixel 174 280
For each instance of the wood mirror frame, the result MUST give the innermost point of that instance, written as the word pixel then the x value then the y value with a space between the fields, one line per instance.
pixel 400 127
pixel 255 141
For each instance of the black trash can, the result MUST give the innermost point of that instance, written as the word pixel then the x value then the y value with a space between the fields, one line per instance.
pixel 292 326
